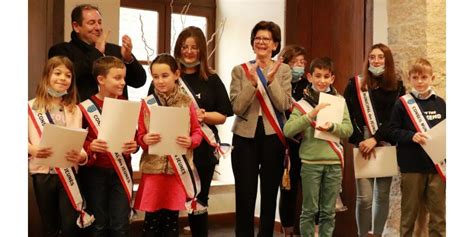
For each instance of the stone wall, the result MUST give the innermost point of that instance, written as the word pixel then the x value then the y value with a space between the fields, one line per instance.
pixel 416 28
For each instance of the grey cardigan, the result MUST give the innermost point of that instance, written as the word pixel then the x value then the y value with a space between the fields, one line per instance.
pixel 246 105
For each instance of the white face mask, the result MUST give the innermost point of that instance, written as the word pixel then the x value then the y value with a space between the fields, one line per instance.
pixel 377 71
pixel 56 94
pixel 189 65
pixel 419 93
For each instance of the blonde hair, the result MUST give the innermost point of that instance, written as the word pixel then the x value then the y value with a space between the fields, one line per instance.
pixel 421 65
pixel 43 99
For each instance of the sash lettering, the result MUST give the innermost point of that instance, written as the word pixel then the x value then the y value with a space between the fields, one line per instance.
pixel 421 125
pixel 92 114
pixel 366 107
pixel 65 175
pixel 186 173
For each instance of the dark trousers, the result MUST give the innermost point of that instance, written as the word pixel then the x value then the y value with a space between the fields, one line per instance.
pixel 205 163
pixel 288 204
pixel 107 200
pixel 161 223
pixel 253 157
pixel 57 213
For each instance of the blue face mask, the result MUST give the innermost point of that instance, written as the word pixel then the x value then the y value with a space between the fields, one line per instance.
pixel 377 71
pixel 56 94
pixel 296 73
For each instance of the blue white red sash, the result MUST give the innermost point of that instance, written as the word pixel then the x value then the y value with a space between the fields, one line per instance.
pixel 221 149
pixel 275 119
pixel 65 175
pixel 421 125
pixel 366 107
pixel 304 107
pixel 93 115
pixel 184 170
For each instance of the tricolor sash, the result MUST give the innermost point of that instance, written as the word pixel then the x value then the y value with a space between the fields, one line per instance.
pixel 366 107
pixel 275 119
pixel 184 170
pixel 65 175
pixel 93 115
pixel 304 107
pixel 421 125
pixel 221 149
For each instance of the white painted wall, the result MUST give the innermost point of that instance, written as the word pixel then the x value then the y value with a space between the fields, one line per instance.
pixel 380 22
pixel 234 48
pixel 110 10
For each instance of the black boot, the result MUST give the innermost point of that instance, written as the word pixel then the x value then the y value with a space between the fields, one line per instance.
pixel 198 224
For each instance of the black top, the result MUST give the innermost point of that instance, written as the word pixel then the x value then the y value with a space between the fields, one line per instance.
pixel 212 96
pixel 297 89
pixel 382 101
pixel 83 55
pixel 410 155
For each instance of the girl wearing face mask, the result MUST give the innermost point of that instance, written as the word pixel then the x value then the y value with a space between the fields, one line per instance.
pixel 383 87
pixel 294 56
pixel 60 203
pixel 212 108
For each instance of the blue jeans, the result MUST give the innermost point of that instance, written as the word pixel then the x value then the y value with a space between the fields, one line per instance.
pixel 321 185
pixel 106 199
pixel 370 191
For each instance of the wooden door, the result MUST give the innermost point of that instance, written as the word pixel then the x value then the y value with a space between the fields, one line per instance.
pixel 341 30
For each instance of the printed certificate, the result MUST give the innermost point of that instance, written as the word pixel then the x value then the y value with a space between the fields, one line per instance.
pixel 169 122
pixel 119 121
pixel 383 165
pixel 61 140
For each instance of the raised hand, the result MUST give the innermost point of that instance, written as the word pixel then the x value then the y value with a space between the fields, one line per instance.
pixel 312 114
pixel 126 49
pixel 101 41
pixel 272 72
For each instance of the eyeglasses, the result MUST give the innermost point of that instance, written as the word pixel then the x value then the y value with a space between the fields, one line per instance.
pixel 189 48
pixel 265 40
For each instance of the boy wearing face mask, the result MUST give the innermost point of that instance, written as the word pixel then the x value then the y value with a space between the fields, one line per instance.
pixel 420 184
pixel 294 56
pixel 321 171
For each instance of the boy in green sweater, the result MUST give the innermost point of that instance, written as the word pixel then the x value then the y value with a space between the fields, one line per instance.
pixel 322 161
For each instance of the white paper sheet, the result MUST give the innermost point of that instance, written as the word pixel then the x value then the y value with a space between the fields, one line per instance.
pixel 61 140
pixel 118 122
pixel 435 145
pixel 384 165
pixel 169 122
pixel 333 113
